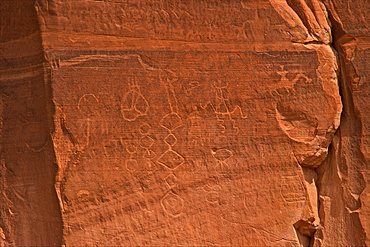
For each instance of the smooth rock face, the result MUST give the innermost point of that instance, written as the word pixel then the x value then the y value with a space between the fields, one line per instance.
pixel 185 123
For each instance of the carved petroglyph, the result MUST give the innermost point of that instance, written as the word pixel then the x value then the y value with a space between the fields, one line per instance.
pixel 134 103
pixel 191 85
pixel 88 105
pixel 131 163
pixel 158 20
pixel 79 60
pixel 221 155
pixel 212 193
pixel 222 108
pixel 67 131
pixel 171 159
pixel 284 85
pixel 55 64
pixel 171 121
pixel 171 180
pixel 170 140
pixel 145 129
pixel 297 124
pixel 149 154
pixel 195 130
pixel 146 142
pixel 172 204
pixel 131 148
pixel 169 78
pixel 35 136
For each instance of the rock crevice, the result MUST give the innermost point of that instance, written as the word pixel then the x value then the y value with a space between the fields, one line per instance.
pixel 340 176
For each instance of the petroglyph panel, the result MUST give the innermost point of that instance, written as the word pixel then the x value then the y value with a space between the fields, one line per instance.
pixel 201 121
pixel 176 139
pixel 196 21
pixel 184 122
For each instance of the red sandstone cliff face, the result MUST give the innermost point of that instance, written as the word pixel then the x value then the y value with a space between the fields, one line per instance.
pixel 344 175
pixel 237 123
pixel 29 208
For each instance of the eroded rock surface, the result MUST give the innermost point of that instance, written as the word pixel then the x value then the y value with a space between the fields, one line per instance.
pixel 29 207
pixel 344 176
pixel 188 123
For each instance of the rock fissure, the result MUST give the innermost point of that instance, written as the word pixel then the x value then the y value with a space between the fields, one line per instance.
pixel 310 231
pixel 334 165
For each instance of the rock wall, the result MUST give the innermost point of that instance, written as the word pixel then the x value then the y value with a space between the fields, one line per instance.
pixel 29 207
pixel 344 175
pixel 233 123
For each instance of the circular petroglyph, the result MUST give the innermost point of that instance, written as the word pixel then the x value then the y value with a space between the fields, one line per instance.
pixel 172 204
pixel 88 105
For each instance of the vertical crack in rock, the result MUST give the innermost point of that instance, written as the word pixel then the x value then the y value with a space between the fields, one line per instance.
pixel 311 131
pixel 330 180
pixel 308 228
pixel 339 182
pixel 315 17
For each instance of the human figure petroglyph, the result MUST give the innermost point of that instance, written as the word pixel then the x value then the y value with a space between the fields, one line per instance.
pixel 88 105
pixel 285 85
pixel 222 108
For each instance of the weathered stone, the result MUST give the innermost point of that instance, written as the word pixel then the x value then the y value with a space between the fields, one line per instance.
pixel 344 176
pixel 29 208
pixel 187 123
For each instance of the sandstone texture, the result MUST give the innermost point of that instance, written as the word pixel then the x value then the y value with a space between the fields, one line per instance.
pixel 184 123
